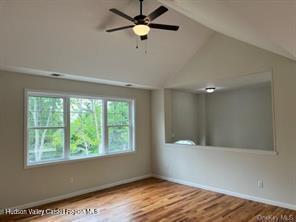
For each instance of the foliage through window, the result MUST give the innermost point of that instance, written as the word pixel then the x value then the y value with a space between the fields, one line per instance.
pixel 86 127
pixel 62 127
pixel 118 125
pixel 45 128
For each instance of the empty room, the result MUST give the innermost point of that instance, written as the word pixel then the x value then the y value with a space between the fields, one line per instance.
pixel 148 110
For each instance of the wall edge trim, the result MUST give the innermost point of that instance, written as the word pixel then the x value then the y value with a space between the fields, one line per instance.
pixel 79 192
pixel 228 192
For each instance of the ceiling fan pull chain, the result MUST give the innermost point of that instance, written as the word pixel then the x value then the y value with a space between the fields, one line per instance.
pixel 146 46
pixel 137 43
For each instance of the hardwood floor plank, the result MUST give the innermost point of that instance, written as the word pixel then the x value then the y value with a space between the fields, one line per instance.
pixel 157 200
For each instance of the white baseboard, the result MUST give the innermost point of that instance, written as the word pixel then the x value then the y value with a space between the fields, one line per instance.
pixel 227 192
pixel 80 192
pixel 188 183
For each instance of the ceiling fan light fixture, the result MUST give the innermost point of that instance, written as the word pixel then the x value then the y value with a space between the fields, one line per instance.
pixel 141 30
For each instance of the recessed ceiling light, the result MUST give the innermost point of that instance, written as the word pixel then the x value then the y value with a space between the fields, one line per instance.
pixel 56 75
pixel 210 89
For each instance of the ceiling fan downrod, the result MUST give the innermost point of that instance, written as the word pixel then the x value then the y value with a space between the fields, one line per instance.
pixel 141 7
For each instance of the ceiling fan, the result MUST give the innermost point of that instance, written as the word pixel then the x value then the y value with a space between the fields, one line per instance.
pixel 143 23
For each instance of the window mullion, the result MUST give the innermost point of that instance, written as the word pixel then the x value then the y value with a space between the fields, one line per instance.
pixel 67 127
pixel 131 125
pixel 105 128
pixel 44 127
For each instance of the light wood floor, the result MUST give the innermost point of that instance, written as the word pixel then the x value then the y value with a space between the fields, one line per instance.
pixel 158 200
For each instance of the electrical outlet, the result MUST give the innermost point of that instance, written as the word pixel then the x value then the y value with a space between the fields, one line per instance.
pixel 260 184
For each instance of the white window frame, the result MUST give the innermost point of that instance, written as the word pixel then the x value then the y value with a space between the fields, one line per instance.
pixel 66 98
pixel 106 126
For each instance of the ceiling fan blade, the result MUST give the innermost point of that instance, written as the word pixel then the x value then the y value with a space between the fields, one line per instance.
pixel 157 12
pixel 120 28
pixel 144 37
pixel 117 12
pixel 163 26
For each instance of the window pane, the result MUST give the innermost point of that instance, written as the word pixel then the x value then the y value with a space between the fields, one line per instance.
pixel 118 113
pixel 85 127
pixel 118 138
pixel 45 112
pixel 45 144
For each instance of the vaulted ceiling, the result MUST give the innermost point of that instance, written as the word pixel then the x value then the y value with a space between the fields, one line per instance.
pixel 267 24
pixel 67 36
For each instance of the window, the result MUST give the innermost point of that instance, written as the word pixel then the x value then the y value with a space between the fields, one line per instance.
pixel 46 129
pixel 119 127
pixel 61 127
pixel 86 127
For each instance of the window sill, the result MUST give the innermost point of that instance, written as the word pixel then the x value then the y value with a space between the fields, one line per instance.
pixel 227 149
pixel 64 161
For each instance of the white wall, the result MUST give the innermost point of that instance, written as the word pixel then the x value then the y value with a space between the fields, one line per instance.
pixel 20 186
pixel 240 117
pixel 224 57
pixel 184 116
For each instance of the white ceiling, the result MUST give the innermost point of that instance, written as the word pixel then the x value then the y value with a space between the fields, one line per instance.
pixel 234 82
pixel 268 24
pixel 68 37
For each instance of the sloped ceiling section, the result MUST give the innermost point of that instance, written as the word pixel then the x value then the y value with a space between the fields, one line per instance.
pixel 67 36
pixel 269 24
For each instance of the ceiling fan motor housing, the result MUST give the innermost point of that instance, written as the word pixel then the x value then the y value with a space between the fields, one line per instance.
pixel 141 20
